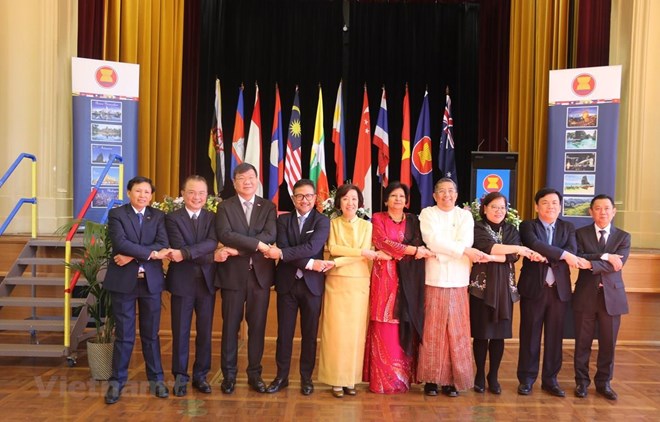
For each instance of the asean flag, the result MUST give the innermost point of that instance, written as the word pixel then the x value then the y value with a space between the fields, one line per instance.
pixel 422 162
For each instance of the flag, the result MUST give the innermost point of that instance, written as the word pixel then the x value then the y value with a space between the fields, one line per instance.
pixel 292 160
pixel 253 148
pixel 238 140
pixel 317 171
pixel 362 170
pixel 217 144
pixel 405 142
pixel 382 142
pixel 276 174
pixel 447 157
pixel 338 139
pixel 422 162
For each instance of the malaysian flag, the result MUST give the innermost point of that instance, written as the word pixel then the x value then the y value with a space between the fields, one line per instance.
pixel 276 174
pixel 293 161
pixel 447 156
pixel 382 142
pixel 238 140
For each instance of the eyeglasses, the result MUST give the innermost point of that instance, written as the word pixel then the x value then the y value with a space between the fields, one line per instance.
pixel 443 191
pixel 300 196
pixel 495 208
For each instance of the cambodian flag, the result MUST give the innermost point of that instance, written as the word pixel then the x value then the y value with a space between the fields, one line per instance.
pixel 238 140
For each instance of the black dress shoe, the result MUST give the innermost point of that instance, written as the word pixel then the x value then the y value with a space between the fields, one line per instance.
pixel 525 389
pixel 277 385
pixel 449 391
pixel 607 392
pixel 306 387
pixel 159 389
pixel 228 385
pixel 202 386
pixel 431 389
pixel 581 391
pixel 478 389
pixel 180 390
pixel 553 390
pixel 112 395
pixel 494 387
pixel 257 384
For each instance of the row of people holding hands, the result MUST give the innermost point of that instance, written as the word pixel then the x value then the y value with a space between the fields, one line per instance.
pixel 401 294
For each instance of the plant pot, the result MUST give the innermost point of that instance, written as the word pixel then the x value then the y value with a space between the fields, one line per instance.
pixel 99 356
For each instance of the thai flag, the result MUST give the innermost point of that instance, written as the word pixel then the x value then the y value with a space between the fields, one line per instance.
pixel 382 142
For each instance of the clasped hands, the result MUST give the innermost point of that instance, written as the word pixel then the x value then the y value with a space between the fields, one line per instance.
pixel 615 260
pixel 122 260
pixel 318 265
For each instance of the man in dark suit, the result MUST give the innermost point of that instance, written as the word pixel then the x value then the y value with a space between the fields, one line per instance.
pixel 545 291
pixel 190 279
pixel 135 274
pixel 300 282
pixel 247 223
pixel 599 295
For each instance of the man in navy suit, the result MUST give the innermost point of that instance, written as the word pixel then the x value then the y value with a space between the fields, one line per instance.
pixel 299 282
pixel 545 291
pixel 190 279
pixel 247 223
pixel 135 274
pixel 599 295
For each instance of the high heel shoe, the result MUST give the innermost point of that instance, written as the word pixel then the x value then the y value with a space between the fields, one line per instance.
pixel 351 391
pixel 494 386
pixel 338 392
pixel 479 385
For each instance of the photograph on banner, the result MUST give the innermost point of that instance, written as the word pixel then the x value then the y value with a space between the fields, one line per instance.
pixel 581 139
pixel 104 196
pixel 106 133
pixel 576 206
pixel 583 116
pixel 110 179
pixel 579 184
pixel 580 162
pixel 100 153
pixel 104 110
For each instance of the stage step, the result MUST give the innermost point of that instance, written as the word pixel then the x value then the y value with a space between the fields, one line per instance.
pixel 32 350
pixel 33 324
pixel 39 302
pixel 41 281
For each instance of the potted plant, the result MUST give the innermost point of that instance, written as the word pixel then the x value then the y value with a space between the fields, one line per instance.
pixel 93 265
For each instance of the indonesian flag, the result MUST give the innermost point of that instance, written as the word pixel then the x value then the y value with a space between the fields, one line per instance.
pixel 382 142
pixel 253 149
pixel 362 170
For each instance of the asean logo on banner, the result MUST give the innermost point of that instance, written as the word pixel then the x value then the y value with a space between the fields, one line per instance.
pixel 421 156
pixel 106 76
pixel 584 84
pixel 492 183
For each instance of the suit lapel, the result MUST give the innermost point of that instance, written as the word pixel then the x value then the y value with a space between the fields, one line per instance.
pixel 135 222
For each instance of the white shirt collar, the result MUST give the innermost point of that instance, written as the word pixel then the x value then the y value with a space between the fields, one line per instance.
pixel 243 201
pixel 138 212
pixel 606 228
pixel 191 213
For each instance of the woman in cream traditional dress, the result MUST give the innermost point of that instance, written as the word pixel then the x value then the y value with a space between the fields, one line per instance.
pixel 346 298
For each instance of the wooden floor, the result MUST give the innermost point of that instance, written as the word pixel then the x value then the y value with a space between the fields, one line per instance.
pixel 47 389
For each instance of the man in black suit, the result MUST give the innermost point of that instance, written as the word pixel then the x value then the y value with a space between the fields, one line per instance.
pixel 135 274
pixel 599 295
pixel 300 282
pixel 190 279
pixel 545 291
pixel 247 223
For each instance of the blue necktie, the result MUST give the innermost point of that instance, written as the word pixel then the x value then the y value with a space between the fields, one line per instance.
pixel 602 241
pixel 140 216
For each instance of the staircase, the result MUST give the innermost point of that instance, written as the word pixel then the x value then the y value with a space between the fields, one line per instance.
pixel 32 303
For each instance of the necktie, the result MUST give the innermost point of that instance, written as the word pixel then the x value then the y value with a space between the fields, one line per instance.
pixel 194 221
pixel 550 276
pixel 602 241
pixel 301 221
pixel 140 217
pixel 248 210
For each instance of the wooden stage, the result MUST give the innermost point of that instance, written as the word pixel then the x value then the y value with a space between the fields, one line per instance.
pixel 47 389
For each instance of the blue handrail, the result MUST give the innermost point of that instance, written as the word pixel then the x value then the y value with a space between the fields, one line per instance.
pixel 32 200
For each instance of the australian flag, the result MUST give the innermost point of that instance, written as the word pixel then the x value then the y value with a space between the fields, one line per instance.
pixel 447 156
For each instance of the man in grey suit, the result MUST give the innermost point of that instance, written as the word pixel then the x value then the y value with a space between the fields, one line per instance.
pixel 190 279
pixel 247 223
pixel 599 295
pixel 301 237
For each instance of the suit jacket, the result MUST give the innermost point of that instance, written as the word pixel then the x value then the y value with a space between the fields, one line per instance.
pixel 198 247
pixel 532 274
pixel 128 238
pixel 298 247
pixel 233 230
pixel 586 288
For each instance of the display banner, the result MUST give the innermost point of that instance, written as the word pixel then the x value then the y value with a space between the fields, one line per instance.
pixel 583 124
pixel 105 122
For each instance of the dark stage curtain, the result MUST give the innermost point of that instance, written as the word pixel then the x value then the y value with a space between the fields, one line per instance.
pixel 90 29
pixel 593 42
pixel 494 22
pixel 191 151
pixel 303 43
